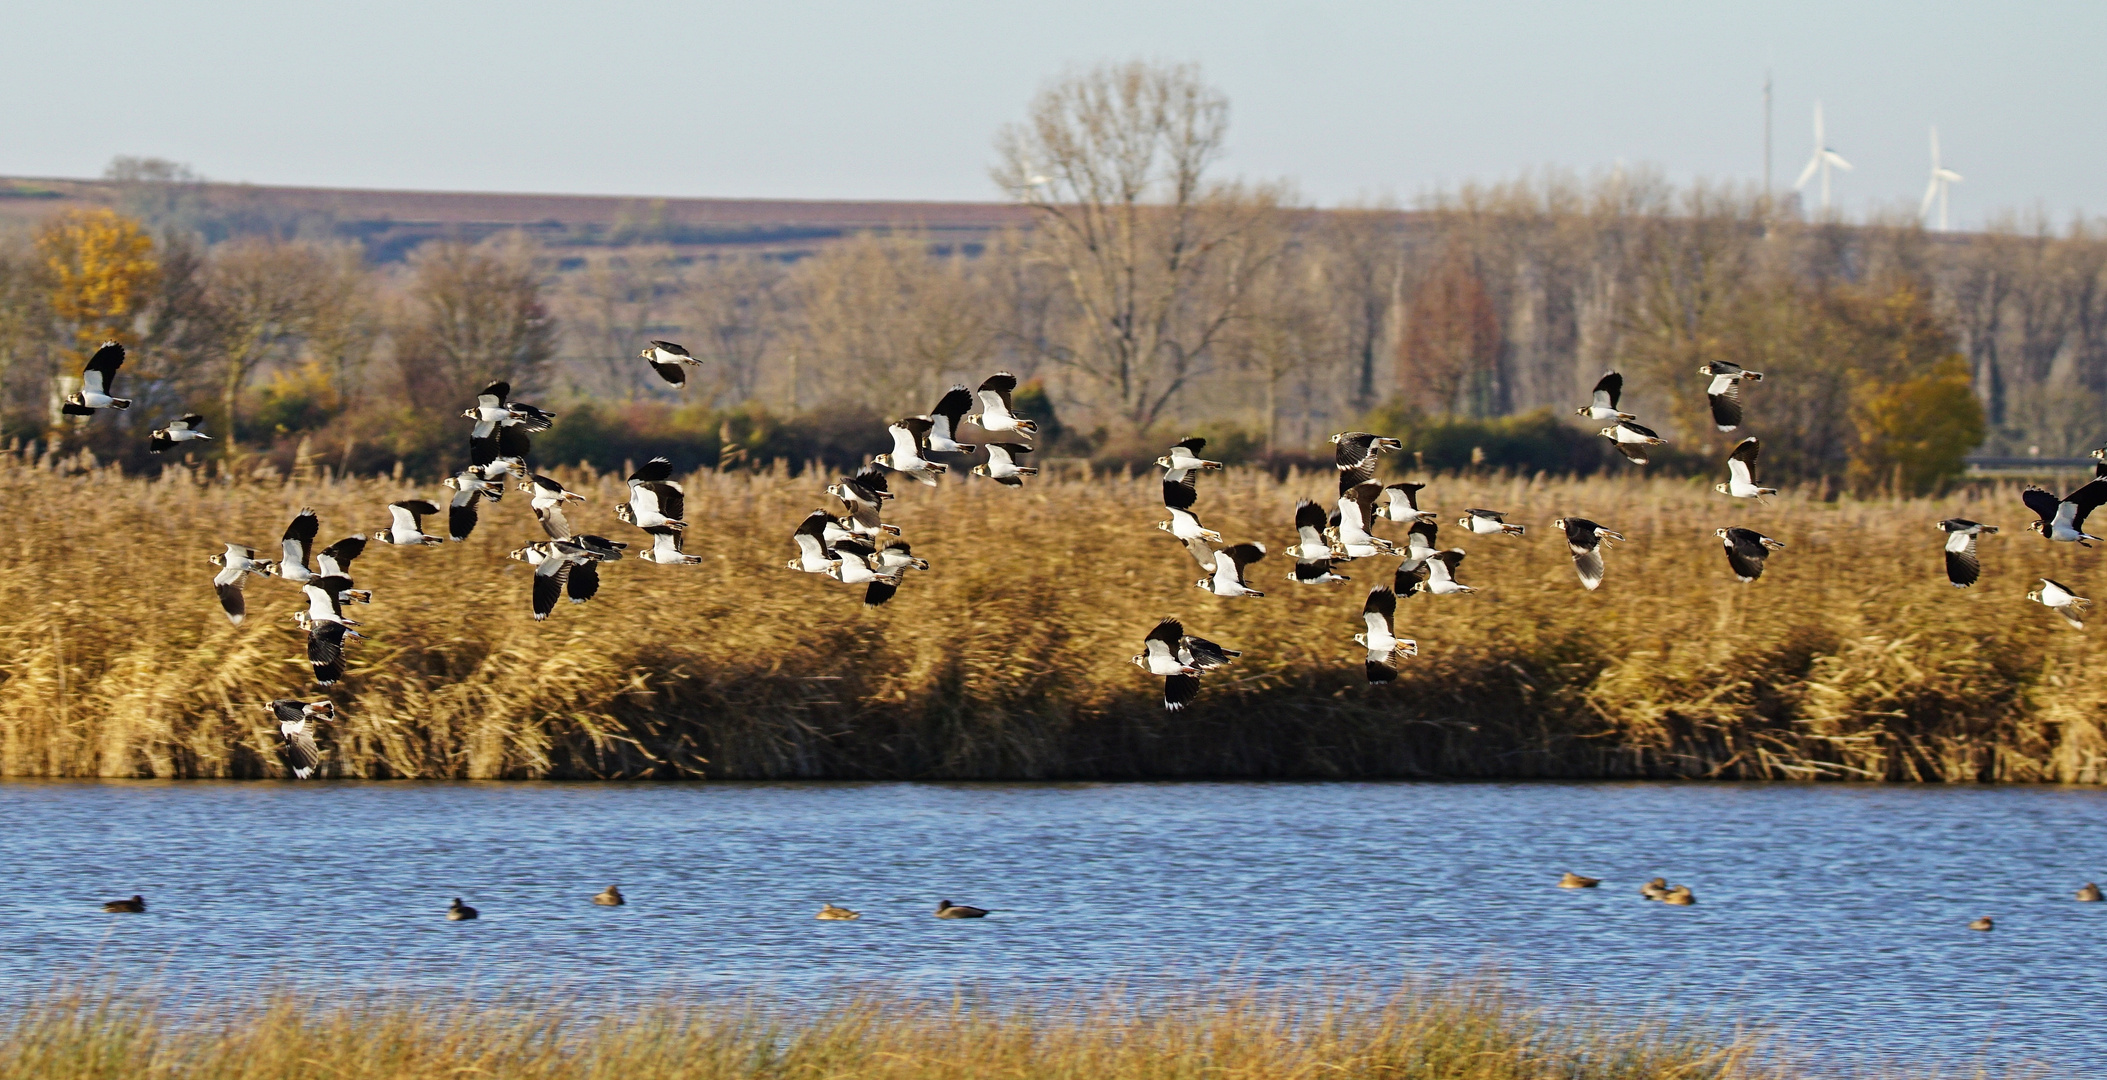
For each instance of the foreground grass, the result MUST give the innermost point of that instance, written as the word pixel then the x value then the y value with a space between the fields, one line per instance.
pixel 1462 1034
pixel 1851 659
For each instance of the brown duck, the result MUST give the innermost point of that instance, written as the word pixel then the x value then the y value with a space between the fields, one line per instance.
pixel 136 903
pixel 1572 880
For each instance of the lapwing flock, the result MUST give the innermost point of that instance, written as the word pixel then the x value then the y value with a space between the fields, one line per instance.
pixel 857 547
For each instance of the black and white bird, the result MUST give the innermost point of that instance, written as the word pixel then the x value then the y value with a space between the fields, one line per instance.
pixel 997 414
pixel 1184 458
pixel 1746 550
pixel 814 553
pixel 856 562
pixel 1584 540
pixel 180 430
pixel 549 496
pixel 1603 406
pixel 909 440
pixel 1179 658
pixel 297 546
pixel 1229 563
pixel 326 627
pixel 236 563
pixel 2099 467
pixel 297 722
pixel 2059 598
pixel 1441 573
pixel 1002 464
pixel 2064 519
pixel 1356 455
pixel 1380 638
pixel 502 425
pixel 335 560
pixel 471 486
pixel 572 563
pixel 1314 559
pixel 406 524
pixel 944 421
pixel 895 554
pixel 1178 498
pixel 655 498
pixel 1631 440
pixel 1741 477
pixel 670 361
pixel 1962 565
pixel 1401 503
pixel 1724 392
pixel 1421 542
pixel 864 494
pixel 97 380
pixel 665 548
pixel 1489 523
pixel 1356 516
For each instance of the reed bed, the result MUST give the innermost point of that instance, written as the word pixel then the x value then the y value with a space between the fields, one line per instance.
pixel 1851 659
pixel 1471 1033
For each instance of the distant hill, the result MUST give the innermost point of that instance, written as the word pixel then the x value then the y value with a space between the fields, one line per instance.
pixel 390 223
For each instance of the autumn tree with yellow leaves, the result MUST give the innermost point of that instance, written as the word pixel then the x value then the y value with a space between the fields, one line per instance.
pixel 98 270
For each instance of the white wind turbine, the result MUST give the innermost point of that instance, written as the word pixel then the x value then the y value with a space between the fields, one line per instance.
pixel 1824 161
pixel 1942 181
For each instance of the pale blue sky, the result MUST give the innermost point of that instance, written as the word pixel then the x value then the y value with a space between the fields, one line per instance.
pixel 901 100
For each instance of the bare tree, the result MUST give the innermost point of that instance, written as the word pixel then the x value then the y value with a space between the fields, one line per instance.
pixel 1156 261
pixel 735 306
pixel 265 296
pixel 475 313
pixel 1450 350
pixel 612 305
pixel 888 323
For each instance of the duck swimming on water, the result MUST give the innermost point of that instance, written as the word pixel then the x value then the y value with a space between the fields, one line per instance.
pixel 135 904
pixel 459 912
pixel 945 909
pixel 609 897
pixel 837 914
pixel 1572 880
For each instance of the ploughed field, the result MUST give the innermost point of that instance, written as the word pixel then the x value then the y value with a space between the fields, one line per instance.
pixel 1852 658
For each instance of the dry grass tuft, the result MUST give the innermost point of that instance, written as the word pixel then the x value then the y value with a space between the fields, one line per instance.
pixel 1851 659
pixel 1471 1033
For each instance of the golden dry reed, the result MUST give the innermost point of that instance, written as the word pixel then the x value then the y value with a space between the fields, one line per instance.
pixel 1469 1033
pixel 1851 659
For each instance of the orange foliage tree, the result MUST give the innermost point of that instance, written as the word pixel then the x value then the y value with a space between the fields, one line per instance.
pixel 98 268
pixel 1451 341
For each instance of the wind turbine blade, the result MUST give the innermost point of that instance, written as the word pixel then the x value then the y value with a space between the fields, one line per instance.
pixel 1935 149
pixel 1817 122
pixel 1931 193
pixel 1837 160
pixel 1948 175
pixel 1807 173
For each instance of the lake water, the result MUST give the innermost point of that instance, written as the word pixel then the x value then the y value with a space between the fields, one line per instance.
pixel 1837 913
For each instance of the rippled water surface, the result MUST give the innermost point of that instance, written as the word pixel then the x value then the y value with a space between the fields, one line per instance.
pixel 1838 913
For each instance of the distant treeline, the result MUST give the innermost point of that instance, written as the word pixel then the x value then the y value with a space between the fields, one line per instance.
pixel 1145 311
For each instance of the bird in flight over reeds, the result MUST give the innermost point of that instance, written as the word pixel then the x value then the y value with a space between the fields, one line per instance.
pixel 1357 515
pixel 1227 578
pixel 944 421
pixel 1962 566
pixel 997 414
pixel 326 627
pixel 182 430
pixel 1313 555
pixel 671 361
pixel 1441 573
pixel 1002 464
pixel 1631 440
pixel 1379 614
pixel 1746 550
pixel 1724 391
pixel 2059 598
pixel 406 524
pixel 1179 658
pixel 470 486
pixel 1184 457
pixel 1356 455
pixel 1741 478
pixel 656 500
pixel 2064 519
pixel 236 563
pixel 1603 405
pixel 98 379
pixel 297 722
pixel 1489 523
pixel 297 546
pixel 1584 541
pixel 910 439
pixel 1402 503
